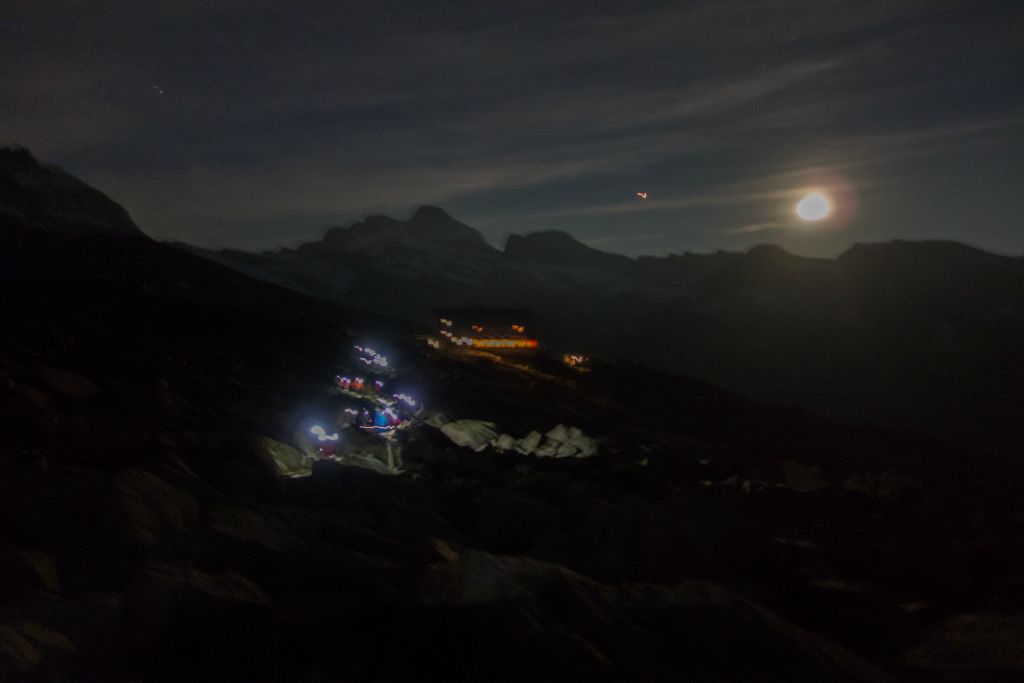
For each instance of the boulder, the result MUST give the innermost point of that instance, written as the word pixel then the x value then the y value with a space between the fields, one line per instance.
pixel 878 485
pixel 148 506
pixel 504 442
pixel 529 443
pixel 249 526
pixel 587 446
pixel 18 656
pixel 560 434
pixel 69 383
pixel 972 647
pixel 803 478
pixel 192 618
pixel 567 442
pixel 90 628
pixel 474 434
pixel 566 450
pixel 52 644
pixel 26 569
pixel 437 420
pixel 548 449
pixel 288 461
pixel 28 648
pixel 487 611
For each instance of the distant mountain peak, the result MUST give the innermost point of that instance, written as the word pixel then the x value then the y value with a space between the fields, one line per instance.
pixel 558 248
pixel 428 228
pixel 768 251
pixel 431 213
pixel 435 224
pixel 934 251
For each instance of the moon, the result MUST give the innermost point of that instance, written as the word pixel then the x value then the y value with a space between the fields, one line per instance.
pixel 813 207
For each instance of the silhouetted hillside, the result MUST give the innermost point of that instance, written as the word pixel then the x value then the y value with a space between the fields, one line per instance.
pixel 41 197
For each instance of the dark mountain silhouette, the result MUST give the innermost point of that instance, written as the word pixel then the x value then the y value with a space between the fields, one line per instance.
pixel 556 248
pixel 429 227
pixel 919 336
pixel 34 196
pixel 675 273
pixel 155 522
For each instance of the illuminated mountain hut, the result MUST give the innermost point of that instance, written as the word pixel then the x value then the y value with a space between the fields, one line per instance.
pixel 490 330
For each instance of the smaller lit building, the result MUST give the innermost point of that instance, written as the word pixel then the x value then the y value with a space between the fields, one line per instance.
pixel 485 329
pixel 577 361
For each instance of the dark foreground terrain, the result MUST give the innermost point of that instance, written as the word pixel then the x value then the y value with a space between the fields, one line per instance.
pixel 148 400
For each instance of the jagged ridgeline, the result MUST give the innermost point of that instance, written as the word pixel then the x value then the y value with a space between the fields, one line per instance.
pixel 920 336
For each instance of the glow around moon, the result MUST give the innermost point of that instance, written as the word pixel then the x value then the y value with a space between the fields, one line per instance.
pixel 813 207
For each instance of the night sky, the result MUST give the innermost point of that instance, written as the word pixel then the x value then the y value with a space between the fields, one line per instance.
pixel 256 124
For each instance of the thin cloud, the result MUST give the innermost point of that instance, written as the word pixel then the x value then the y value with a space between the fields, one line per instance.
pixel 753 228
pixel 602 242
pixel 695 201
